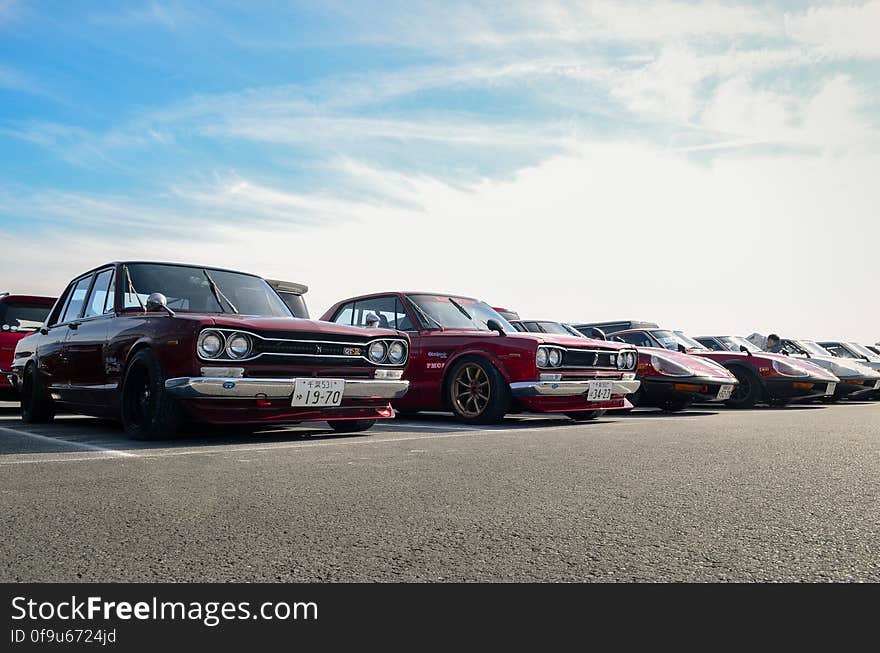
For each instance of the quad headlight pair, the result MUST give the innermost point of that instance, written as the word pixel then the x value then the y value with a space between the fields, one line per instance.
pixel 216 344
pixel 548 357
pixel 390 352
pixel 626 360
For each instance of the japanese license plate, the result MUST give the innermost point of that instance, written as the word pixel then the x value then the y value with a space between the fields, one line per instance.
pixel 725 392
pixel 830 389
pixel 599 390
pixel 317 392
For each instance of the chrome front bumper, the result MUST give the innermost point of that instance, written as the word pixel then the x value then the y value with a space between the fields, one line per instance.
pixel 204 387
pixel 568 388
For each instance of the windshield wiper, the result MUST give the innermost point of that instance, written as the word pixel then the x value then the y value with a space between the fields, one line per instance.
pixel 422 312
pixel 460 308
pixel 218 293
pixel 131 289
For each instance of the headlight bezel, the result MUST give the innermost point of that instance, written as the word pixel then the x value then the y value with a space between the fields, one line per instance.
pixel 231 338
pixel 798 371
pixel 384 351
pixel 546 351
pixel 658 361
pixel 627 360
pixel 203 336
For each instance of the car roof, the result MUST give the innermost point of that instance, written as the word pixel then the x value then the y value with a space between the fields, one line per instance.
pixel 180 265
pixel 613 326
pixel 35 299
pixel 406 292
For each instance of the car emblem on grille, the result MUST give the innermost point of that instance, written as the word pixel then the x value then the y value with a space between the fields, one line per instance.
pixel 352 351
pixel 317 349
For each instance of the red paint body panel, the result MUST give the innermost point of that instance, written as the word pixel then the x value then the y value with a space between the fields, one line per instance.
pixel 433 352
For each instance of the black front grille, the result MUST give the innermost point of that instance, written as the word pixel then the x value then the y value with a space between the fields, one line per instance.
pixel 589 359
pixel 308 348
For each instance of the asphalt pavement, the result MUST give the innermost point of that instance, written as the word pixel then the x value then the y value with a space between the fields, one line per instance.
pixel 712 494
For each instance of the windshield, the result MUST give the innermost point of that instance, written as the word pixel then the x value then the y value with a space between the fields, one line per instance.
pixel 794 347
pixel 457 313
pixel 201 290
pixel 864 351
pixel 814 349
pixel 733 343
pixel 560 329
pixel 22 316
pixel 672 340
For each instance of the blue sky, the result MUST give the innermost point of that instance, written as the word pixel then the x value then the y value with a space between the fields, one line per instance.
pixel 708 165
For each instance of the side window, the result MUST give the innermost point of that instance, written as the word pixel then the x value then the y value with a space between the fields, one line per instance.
pixel 710 343
pixel 389 309
pixel 98 297
pixel 346 315
pixel 77 298
pixel 533 327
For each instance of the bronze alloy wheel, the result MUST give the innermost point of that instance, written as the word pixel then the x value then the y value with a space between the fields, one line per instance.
pixel 471 390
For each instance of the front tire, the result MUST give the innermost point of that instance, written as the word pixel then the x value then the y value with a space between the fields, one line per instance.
pixel 351 425
pixel 749 390
pixel 148 411
pixel 37 406
pixel 477 392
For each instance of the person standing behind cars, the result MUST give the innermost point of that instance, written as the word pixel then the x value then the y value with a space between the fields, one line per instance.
pixel 774 346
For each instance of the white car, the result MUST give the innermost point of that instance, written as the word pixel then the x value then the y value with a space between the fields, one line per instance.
pixel 856 379
pixel 852 351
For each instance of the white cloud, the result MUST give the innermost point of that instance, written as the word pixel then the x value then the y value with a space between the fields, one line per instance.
pixel 743 243
pixel 843 30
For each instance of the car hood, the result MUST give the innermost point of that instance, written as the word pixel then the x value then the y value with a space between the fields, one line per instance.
pixel 845 368
pixel 293 324
pixel 700 366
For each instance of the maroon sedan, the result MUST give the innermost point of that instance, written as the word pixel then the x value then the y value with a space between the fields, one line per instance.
pixel 19 316
pixel 468 359
pixel 154 344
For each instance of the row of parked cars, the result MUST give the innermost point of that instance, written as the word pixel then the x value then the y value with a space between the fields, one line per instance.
pixel 156 345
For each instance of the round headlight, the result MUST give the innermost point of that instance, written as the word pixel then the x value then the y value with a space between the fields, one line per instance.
pixel 210 344
pixel 238 345
pixel 554 357
pixel 631 360
pixel 541 357
pixel 376 352
pixel 396 353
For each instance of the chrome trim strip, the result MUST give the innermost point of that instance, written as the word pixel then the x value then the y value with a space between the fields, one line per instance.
pixel 362 345
pixel 569 388
pixel 204 387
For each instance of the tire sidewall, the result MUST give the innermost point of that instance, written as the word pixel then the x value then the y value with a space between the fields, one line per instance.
pixel 499 391
pixel 163 421
pixel 755 391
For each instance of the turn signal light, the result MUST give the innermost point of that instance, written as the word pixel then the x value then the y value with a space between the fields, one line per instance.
pixel 803 386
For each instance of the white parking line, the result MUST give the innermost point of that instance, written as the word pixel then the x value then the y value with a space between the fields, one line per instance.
pixel 114 453
pixel 227 449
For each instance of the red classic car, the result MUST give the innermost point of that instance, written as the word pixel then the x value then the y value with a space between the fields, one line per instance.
pixel 154 344
pixel 19 316
pixel 468 359
pixel 763 377
pixel 671 381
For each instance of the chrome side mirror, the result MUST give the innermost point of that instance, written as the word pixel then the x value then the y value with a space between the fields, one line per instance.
pixel 371 320
pixel 158 302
